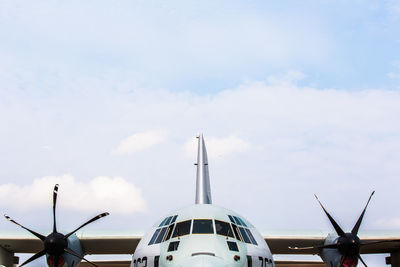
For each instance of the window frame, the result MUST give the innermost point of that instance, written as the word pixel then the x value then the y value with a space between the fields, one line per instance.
pixel 174 219
pixel 154 237
pixel 237 221
pixel 245 237
pixel 237 232
pixel 251 236
pixel 176 227
pixel 236 249
pixel 167 222
pixel 171 246
pixel 161 235
pixel 163 221
pixel 212 227
pixel 242 221
pixel 170 230
pixel 230 230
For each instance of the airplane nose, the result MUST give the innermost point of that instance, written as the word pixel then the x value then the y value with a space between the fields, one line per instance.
pixel 203 261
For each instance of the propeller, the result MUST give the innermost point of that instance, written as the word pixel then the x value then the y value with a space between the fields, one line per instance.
pixel 56 244
pixel 348 244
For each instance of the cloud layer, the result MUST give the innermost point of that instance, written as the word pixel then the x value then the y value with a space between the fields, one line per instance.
pixel 112 194
pixel 293 99
pixel 293 139
pixel 140 141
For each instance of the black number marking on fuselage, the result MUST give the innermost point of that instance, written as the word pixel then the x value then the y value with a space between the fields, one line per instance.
pixel 264 261
pixel 140 262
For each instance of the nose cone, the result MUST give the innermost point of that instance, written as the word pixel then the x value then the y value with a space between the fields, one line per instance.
pixel 203 261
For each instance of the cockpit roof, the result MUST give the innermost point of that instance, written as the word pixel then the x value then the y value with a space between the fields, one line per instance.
pixel 203 211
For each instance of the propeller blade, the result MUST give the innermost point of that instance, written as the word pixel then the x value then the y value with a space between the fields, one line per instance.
pixel 86 223
pixel 56 260
pixel 55 193
pixel 338 230
pixel 358 223
pixel 341 261
pixel 359 257
pixel 34 257
pixel 73 253
pixel 31 231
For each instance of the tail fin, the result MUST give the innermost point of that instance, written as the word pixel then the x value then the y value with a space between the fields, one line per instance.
pixel 203 189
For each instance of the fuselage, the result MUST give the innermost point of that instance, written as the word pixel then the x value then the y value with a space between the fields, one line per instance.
pixel 202 235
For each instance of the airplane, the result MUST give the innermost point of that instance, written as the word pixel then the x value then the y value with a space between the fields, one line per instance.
pixel 200 235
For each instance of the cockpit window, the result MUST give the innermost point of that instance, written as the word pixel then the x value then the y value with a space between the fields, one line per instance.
pixel 161 235
pixel 223 228
pixel 252 239
pixel 169 232
pixel 174 219
pixel 154 236
pixel 203 227
pixel 236 230
pixel 182 228
pixel 244 235
pixel 173 246
pixel 168 220
pixel 163 222
pixel 237 220
pixel 231 218
pixel 232 246
pixel 242 222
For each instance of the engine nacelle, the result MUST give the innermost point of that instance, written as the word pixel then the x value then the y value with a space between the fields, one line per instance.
pixel 67 260
pixel 333 258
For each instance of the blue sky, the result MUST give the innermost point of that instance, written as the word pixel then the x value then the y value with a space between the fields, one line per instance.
pixel 293 99
pixel 207 47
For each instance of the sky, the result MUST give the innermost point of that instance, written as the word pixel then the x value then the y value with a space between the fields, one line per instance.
pixel 293 98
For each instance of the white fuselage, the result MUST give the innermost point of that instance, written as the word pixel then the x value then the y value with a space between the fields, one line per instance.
pixel 202 235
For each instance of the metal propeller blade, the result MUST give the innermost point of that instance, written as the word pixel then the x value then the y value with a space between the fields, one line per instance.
pixel 359 257
pixel 56 244
pixel 358 223
pixel 338 230
pixel 34 257
pixel 41 237
pixel 55 193
pixel 341 261
pixel 56 260
pixel 73 253
pixel 86 223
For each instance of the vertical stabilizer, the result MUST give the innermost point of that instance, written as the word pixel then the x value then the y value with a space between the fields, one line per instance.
pixel 203 189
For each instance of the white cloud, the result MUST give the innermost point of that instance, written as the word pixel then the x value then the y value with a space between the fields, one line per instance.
pixel 287 140
pixel 218 147
pixel 140 141
pixel 102 193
